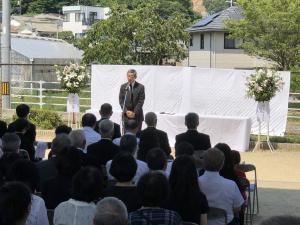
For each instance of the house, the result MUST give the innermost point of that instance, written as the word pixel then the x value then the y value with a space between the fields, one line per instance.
pixel 211 47
pixel 33 58
pixel 79 19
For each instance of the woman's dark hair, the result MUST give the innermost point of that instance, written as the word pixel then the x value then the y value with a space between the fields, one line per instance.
pixel 26 172
pixel 63 129
pixel 68 163
pixel 184 148
pixel 87 184
pixel 236 157
pixel 123 167
pixel 3 128
pixel 15 199
pixel 228 168
pixel 156 159
pixel 184 187
pixel 153 189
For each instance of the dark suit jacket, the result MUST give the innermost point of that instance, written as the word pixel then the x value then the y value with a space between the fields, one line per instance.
pixel 151 138
pixel 27 140
pixel 117 129
pixel 46 169
pixel 198 140
pixel 138 99
pixel 103 151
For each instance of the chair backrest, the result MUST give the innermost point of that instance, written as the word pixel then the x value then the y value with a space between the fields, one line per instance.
pixel 246 167
pixel 217 213
pixel 50 214
pixel 188 223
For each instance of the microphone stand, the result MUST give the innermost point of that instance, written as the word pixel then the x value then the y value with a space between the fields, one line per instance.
pixel 123 108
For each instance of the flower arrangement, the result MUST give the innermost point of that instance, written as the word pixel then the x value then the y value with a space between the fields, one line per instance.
pixel 263 85
pixel 73 77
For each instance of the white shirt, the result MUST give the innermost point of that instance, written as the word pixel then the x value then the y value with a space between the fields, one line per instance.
pixel 142 168
pixel 74 212
pixel 169 167
pixel 38 212
pixel 91 136
pixel 117 141
pixel 221 193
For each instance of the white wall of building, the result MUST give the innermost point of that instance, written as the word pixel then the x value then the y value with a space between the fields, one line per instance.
pixel 79 19
pixel 214 55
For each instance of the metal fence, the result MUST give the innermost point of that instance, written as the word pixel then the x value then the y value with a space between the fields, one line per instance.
pixel 44 95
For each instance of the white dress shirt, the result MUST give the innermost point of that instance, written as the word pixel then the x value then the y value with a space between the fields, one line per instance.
pixel 73 212
pixel 220 193
pixel 142 168
pixel 91 136
pixel 38 212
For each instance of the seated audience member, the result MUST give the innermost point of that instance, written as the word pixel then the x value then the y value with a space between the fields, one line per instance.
pixel 88 125
pixel 153 188
pixel 29 135
pixel 152 138
pixel 58 188
pixel 183 148
pixel 110 211
pixel 47 168
pixel 104 150
pixel 129 144
pixel 11 152
pixel 80 209
pixel 131 128
pixel 3 129
pixel 185 196
pixel 26 172
pixel 15 201
pixel 105 113
pixel 78 142
pixel 123 169
pixel 63 129
pixel 156 160
pixel 236 160
pixel 198 140
pixel 219 191
pixel 281 220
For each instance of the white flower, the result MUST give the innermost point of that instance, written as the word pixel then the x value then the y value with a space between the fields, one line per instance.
pixel 269 73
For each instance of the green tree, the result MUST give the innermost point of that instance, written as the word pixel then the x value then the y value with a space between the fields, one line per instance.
pixel 213 6
pixel 67 36
pixel 270 29
pixel 139 36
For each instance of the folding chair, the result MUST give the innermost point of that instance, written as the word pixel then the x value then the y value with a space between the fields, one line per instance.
pixel 50 214
pixel 217 213
pixel 248 217
pixel 253 186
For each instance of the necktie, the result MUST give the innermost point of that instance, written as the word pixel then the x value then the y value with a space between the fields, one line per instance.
pixel 131 97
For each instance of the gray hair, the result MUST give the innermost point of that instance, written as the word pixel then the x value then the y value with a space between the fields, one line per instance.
pixel 151 119
pixel 111 211
pixel 213 159
pixel 106 127
pixel 77 138
pixel 60 142
pixel 11 142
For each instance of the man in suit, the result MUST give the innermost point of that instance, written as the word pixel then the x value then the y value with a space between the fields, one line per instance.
pixel 104 149
pixel 198 140
pixel 152 137
pixel 132 97
pixel 105 113
pixel 22 112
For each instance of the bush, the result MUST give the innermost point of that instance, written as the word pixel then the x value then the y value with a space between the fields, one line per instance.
pixel 45 119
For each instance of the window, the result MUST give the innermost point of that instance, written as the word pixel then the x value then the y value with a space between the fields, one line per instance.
pixel 93 17
pixel 228 43
pixel 67 17
pixel 191 40
pixel 201 41
pixel 79 17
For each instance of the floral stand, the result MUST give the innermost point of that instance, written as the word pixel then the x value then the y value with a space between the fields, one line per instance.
pixel 73 109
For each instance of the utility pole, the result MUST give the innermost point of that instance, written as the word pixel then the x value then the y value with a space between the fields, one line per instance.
pixel 5 54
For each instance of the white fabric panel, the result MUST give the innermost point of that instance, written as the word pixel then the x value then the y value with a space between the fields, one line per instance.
pixel 235 131
pixel 178 90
